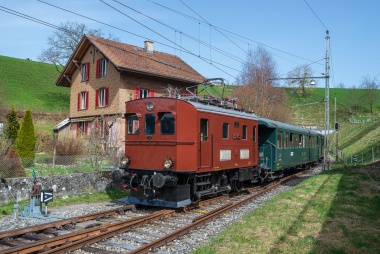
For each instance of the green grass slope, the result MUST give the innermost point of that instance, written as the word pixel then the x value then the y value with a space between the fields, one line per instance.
pixel 26 84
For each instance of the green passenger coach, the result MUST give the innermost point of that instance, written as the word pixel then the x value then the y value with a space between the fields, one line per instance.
pixel 284 146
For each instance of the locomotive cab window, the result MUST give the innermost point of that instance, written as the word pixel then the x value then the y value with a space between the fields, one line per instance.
pixel 133 124
pixel 204 129
pixel 150 120
pixel 225 131
pixel 245 130
pixel 167 123
pixel 254 137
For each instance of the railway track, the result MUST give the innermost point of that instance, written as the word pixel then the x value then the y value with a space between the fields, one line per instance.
pixel 116 231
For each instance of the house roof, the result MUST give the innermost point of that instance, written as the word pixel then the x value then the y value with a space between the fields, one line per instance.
pixel 129 58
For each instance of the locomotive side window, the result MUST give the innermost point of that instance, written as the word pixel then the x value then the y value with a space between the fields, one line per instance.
pixel 279 139
pixel 204 129
pixel 254 134
pixel 245 130
pixel 225 130
pixel 286 141
pixel 133 124
pixel 167 123
pixel 150 120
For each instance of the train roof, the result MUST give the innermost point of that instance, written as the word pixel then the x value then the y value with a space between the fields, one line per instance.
pixel 212 108
pixel 284 126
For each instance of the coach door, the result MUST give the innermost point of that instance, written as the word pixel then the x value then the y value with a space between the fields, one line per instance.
pixel 205 153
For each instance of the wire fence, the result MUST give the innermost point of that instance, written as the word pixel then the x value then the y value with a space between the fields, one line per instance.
pixel 365 157
pixel 55 165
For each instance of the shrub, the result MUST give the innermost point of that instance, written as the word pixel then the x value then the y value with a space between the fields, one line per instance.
pixel 12 126
pixel 26 140
pixel 44 142
pixel 12 166
pixel 67 149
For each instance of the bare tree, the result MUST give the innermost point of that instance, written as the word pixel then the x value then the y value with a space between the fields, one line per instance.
pixel 370 85
pixel 300 75
pixel 257 93
pixel 353 99
pixel 64 41
pixel 341 85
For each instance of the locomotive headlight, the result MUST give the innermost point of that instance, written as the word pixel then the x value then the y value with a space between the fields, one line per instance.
pixel 149 106
pixel 168 163
pixel 125 161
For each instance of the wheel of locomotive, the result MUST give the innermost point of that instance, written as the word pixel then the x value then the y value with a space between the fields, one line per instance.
pixel 194 198
pixel 236 185
pixel 224 183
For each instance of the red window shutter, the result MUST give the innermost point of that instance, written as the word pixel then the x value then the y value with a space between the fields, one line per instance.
pixel 98 68
pixel 107 95
pixel 87 71
pixel 87 99
pixel 97 98
pixel 136 94
pixel 86 128
pixel 78 105
pixel 152 93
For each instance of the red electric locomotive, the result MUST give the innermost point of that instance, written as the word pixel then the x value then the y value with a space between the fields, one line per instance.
pixel 177 151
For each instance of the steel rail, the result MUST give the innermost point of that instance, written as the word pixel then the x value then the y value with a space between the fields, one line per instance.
pixel 80 239
pixel 203 219
pixel 59 223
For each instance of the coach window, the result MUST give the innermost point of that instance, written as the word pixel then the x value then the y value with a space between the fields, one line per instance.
pixel 254 134
pixel 245 130
pixel 133 124
pixel 225 130
pixel 204 129
pixel 291 140
pixel 279 139
pixel 286 141
pixel 300 140
pixel 167 123
pixel 150 120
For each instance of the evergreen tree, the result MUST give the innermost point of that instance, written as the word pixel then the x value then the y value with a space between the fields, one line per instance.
pixel 12 127
pixel 26 140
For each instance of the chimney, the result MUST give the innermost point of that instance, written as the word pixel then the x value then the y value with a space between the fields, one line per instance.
pixel 148 46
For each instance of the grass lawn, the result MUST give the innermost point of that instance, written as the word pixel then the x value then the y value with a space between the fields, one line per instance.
pixel 333 212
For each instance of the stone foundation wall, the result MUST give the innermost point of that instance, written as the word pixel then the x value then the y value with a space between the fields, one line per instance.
pixel 62 185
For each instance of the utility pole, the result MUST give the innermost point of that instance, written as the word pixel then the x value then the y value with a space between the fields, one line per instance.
pixel 327 111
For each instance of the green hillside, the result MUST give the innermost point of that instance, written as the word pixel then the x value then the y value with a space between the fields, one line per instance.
pixel 26 84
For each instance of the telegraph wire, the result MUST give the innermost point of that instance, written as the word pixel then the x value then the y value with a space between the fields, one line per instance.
pixel 186 50
pixel 181 50
pixel 316 15
pixel 233 33
pixel 187 35
pixel 215 28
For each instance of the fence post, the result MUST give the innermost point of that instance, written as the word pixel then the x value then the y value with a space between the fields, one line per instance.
pixel 53 158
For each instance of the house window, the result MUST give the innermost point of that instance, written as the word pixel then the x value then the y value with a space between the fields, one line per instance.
pixel 225 130
pixel 245 129
pixel 101 99
pixel 82 128
pixel 83 100
pixel 140 93
pixel 101 68
pixel 85 71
